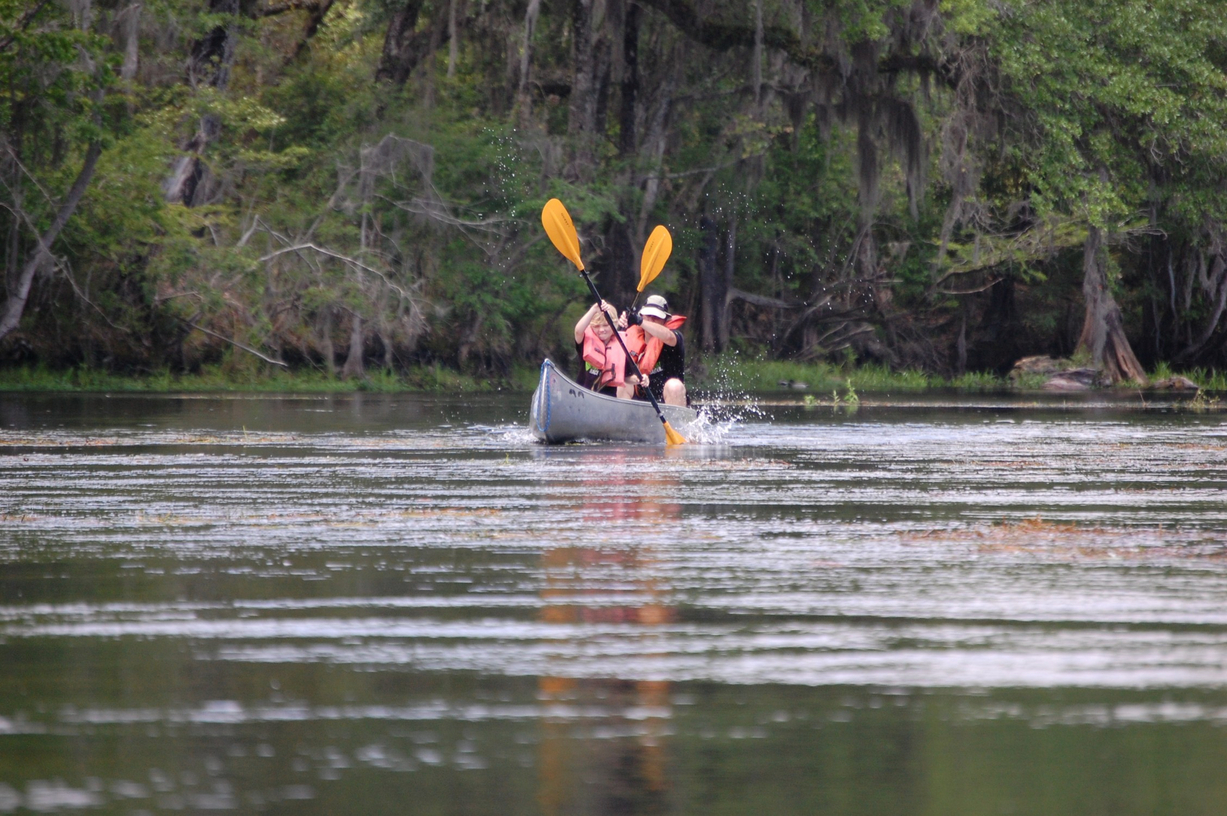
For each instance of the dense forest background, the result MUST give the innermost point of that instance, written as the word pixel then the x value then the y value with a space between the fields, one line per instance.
pixel 356 184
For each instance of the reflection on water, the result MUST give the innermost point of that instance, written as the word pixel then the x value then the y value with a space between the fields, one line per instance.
pixel 624 768
pixel 367 604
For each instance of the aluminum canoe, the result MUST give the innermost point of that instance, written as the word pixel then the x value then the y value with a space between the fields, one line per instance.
pixel 565 411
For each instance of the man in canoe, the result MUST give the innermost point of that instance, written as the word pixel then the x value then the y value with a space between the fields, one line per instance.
pixel 603 365
pixel 660 350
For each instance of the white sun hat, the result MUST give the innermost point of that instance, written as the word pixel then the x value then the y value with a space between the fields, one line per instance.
pixel 655 306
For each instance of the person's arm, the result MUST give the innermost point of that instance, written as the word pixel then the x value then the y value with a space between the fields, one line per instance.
pixel 661 332
pixel 582 325
pixel 610 314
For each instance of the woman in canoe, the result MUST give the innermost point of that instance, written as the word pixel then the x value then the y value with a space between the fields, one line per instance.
pixel 659 348
pixel 602 361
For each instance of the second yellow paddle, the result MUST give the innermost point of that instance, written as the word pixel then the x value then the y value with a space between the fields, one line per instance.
pixel 655 252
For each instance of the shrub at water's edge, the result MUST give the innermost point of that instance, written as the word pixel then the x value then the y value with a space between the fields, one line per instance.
pixel 731 373
pixel 438 379
pixel 722 375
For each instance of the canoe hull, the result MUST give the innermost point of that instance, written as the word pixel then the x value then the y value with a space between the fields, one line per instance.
pixel 564 411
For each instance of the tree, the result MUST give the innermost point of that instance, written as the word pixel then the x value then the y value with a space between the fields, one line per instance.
pixel 1118 111
pixel 54 72
pixel 344 183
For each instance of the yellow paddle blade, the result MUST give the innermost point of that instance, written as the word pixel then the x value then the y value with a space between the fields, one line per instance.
pixel 672 437
pixel 557 223
pixel 655 252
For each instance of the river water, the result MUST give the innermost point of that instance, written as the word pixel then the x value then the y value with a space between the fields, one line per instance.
pixel 374 604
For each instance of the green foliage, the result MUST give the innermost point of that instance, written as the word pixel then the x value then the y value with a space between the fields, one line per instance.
pixel 331 203
pixel 881 378
pixel 979 381
pixel 1211 380
pixel 968 17
pixel 1113 87
pixel 730 374
pixel 264 378
pixel 1202 402
pixel 733 374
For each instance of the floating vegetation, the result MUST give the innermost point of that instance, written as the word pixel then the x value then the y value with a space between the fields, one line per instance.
pixel 1071 541
pixel 1202 403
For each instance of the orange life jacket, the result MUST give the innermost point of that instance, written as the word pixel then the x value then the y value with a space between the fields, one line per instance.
pixel 646 348
pixel 606 358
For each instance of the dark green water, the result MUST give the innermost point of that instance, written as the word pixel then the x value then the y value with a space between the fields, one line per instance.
pixel 402 604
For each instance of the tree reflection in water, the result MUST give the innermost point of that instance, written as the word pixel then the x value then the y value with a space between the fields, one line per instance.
pixel 613 760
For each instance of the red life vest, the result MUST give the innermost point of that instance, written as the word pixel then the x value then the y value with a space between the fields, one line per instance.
pixel 607 358
pixel 645 347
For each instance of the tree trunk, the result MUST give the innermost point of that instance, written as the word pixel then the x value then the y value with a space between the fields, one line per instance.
pixel 453 40
pixel 402 45
pixel 591 60
pixel 131 20
pixel 326 348
pixel 389 351
pixel 630 78
pixel 353 368
pixel 1103 329
pixel 318 13
pixel 15 303
pixel 1214 286
pixel 756 72
pixel 618 268
pixel 213 55
pixel 470 338
pixel 186 183
pixel 582 113
pixel 867 193
pixel 655 138
pixel 210 64
pixel 711 284
pixel 730 263
pixel 960 347
pixel 523 99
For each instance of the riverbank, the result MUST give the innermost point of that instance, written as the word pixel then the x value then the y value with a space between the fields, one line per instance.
pixel 726 374
pixel 220 380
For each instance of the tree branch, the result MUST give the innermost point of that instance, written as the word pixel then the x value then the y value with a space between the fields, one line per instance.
pixel 273 9
pixel 22 24
pixel 723 36
pixel 762 300
pixel 974 291
pixel 232 342
pixel 16 303
pixel 345 258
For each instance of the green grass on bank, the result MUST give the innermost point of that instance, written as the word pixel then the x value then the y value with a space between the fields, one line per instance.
pixel 268 379
pixel 1208 379
pixel 727 374
pixel 734 373
pixel 731 373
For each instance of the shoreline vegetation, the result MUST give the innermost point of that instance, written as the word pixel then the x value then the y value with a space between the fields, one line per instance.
pixel 357 186
pixel 814 383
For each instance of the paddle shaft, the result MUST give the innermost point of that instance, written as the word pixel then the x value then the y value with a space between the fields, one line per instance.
pixel 629 357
